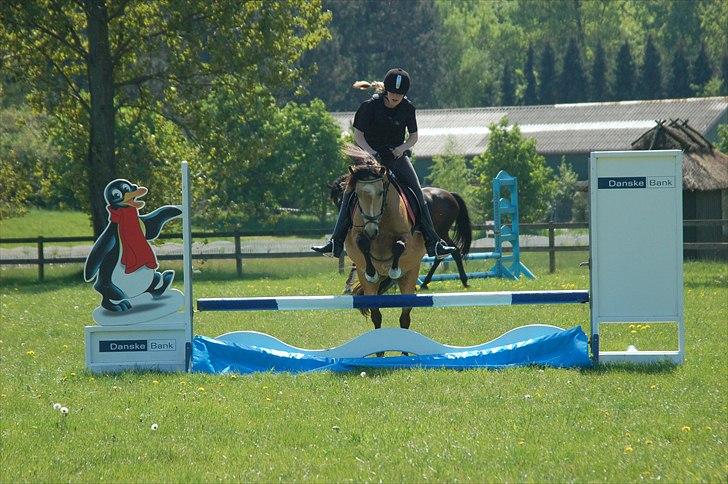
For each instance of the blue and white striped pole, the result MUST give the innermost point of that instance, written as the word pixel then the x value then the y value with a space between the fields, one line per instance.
pixel 456 299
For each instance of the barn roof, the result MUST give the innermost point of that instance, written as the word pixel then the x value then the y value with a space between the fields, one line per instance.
pixel 559 128
pixel 704 167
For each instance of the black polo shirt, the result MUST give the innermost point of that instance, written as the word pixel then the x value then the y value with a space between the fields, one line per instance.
pixel 384 127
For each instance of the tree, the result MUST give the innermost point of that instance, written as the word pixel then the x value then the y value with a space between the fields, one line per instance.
pixel 508 86
pixel 450 171
pixel 306 158
pixel 547 76
pixel 24 152
pixel 85 60
pixel 679 76
pixel 722 141
pixel 529 96
pixel 359 50
pixel 599 74
pixel 724 73
pixel 509 150
pixel 651 78
pixel 564 193
pixel 701 71
pixel 572 85
pixel 624 88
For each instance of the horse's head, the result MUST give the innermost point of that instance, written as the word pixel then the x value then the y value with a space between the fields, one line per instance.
pixel 369 180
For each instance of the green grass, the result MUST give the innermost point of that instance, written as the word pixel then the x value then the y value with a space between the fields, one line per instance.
pixel 48 223
pixel 619 424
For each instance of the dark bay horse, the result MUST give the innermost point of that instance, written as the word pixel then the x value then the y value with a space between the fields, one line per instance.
pixel 447 208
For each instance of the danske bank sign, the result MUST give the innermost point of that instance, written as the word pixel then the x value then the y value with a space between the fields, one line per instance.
pixel 626 182
pixel 115 346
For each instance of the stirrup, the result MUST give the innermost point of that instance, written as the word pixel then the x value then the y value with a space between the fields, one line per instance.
pixel 439 249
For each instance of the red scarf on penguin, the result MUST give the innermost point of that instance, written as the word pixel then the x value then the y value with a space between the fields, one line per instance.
pixel 135 250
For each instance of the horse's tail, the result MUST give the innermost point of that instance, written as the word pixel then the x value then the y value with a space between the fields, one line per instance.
pixel 463 228
pixel 358 290
pixel 377 86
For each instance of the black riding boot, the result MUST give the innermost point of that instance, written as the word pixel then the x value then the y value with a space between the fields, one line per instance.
pixel 436 247
pixel 336 245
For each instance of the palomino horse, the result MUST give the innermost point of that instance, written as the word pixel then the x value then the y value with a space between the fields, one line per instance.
pixel 380 241
pixel 447 208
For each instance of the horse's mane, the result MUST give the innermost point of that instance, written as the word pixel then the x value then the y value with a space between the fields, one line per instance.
pixel 364 166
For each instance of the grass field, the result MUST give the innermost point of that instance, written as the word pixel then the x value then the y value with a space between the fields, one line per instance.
pixel 529 424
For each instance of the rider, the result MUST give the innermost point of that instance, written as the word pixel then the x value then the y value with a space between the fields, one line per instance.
pixel 379 129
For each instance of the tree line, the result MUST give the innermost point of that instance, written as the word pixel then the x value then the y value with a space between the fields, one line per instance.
pixel 471 53
pixel 91 90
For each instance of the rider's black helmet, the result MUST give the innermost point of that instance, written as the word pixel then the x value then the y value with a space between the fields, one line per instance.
pixel 397 81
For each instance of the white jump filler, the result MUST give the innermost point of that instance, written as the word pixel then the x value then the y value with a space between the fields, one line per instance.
pixel 636 246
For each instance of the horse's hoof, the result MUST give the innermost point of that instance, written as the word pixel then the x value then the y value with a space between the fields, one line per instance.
pixel 372 279
pixel 395 273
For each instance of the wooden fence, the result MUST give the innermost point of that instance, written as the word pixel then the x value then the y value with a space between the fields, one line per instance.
pixel 550 227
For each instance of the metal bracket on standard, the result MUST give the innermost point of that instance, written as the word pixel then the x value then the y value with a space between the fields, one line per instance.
pixel 594 346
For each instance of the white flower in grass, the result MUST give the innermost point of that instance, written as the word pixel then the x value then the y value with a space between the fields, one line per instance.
pixel 56 406
pixel 64 411
pixel 155 426
pixel 363 374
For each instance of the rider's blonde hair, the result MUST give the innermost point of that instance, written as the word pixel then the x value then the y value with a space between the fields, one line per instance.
pixel 376 86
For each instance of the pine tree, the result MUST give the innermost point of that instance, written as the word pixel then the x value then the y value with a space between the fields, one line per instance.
pixel 508 87
pixel 651 80
pixel 679 86
pixel 573 80
pixel 701 71
pixel 599 75
pixel 547 75
pixel 530 97
pixel 624 88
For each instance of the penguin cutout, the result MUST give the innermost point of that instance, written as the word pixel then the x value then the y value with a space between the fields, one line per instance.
pixel 123 262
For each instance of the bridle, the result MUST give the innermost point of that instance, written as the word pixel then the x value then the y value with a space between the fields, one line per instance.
pixel 374 219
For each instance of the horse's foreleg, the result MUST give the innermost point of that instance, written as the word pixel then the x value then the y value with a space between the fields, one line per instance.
pixel 365 246
pixel 377 320
pixel 407 285
pixel 397 249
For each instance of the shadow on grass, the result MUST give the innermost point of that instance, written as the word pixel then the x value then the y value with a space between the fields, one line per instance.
pixel 29 283
pixel 641 368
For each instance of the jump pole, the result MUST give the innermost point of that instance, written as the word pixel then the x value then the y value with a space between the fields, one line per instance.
pixel 443 300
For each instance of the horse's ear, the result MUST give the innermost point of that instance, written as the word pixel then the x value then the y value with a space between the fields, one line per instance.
pixel 351 169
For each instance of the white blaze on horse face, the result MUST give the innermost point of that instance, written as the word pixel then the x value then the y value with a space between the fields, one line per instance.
pixel 371 198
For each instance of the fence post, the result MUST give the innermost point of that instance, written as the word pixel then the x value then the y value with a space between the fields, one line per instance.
pixel 238 256
pixel 41 259
pixel 552 251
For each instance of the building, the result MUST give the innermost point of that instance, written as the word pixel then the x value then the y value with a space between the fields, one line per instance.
pixel 569 130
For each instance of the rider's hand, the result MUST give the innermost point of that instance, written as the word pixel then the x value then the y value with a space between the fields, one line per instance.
pixel 398 151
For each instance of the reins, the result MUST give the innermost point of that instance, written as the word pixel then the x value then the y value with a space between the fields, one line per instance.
pixel 375 219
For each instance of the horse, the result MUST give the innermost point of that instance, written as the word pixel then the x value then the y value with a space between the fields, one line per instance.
pixel 447 208
pixel 380 241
